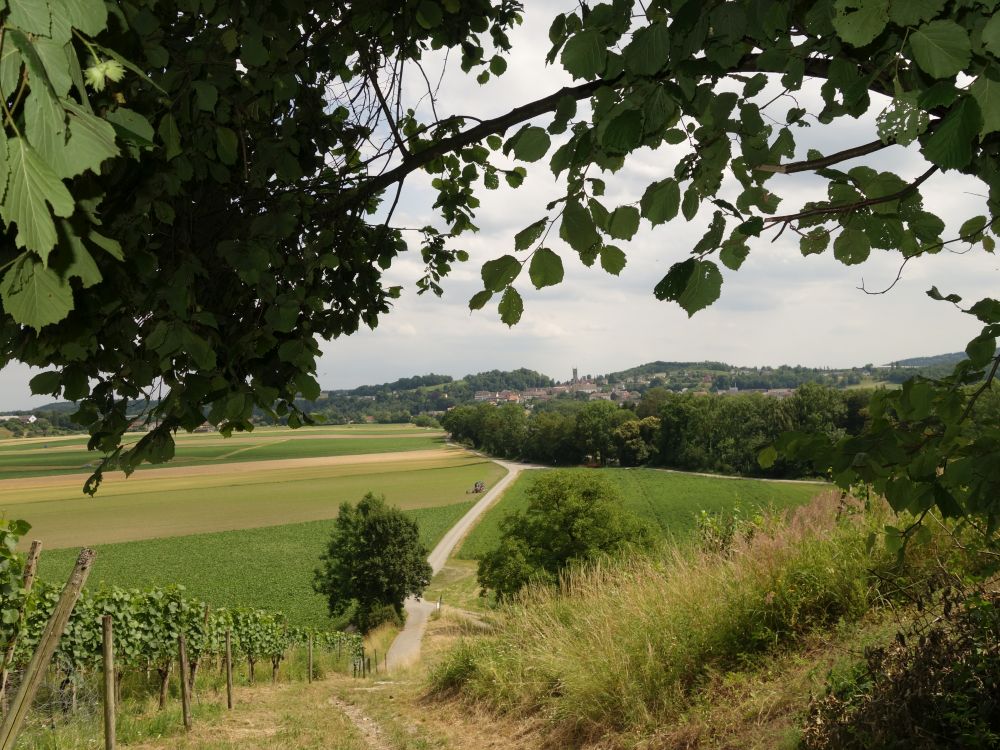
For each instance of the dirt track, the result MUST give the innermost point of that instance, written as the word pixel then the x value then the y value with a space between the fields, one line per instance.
pixel 244 468
pixel 405 649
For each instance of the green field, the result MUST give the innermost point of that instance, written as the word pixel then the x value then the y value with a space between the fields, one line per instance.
pixel 38 457
pixel 669 500
pixel 178 501
pixel 270 568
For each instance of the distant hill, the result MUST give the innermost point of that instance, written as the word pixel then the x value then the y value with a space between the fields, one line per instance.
pixel 403 384
pixel 932 361
pixel 57 407
pixel 652 368
pixel 500 380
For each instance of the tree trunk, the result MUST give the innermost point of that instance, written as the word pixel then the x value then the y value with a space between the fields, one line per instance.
pixel 164 673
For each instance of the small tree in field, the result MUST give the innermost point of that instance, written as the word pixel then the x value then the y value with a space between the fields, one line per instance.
pixel 571 518
pixel 373 561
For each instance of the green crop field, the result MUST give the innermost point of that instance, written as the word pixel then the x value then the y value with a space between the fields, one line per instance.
pixel 669 500
pixel 38 457
pixel 270 568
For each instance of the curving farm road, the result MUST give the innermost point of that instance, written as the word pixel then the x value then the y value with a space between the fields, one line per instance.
pixel 405 650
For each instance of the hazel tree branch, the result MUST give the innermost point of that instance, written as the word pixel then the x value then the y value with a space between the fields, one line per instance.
pixel 814 68
pixel 825 161
pixel 848 207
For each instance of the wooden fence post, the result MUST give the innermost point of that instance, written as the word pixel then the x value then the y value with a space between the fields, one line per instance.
pixel 47 645
pixel 109 683
pixel 30 565
pixel 185 693
pixel 229 670
pixel 309 659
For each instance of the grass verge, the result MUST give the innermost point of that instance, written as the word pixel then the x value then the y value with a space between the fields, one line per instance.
pixel 626 646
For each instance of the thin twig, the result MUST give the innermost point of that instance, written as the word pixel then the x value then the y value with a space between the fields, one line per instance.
pixel 899 275
pixel 400 142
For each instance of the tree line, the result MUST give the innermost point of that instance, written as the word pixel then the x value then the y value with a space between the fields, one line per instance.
pixel 688 431
pixel 694 432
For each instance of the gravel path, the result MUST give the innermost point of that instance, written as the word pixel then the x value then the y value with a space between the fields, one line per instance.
pixel 405 650
pixel 370 731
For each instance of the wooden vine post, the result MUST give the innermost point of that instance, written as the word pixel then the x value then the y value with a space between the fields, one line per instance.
pixel 309 659
pixel 34 675
pixel 229 670
pixel 30 566
pixel 185 691
pixel 110 683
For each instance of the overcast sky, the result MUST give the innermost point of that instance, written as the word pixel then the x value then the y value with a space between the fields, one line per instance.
pixel 780 308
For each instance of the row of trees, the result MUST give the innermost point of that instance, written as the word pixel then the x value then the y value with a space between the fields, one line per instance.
pixel 695 432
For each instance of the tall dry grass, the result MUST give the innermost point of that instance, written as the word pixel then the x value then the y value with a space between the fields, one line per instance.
pixel 623 644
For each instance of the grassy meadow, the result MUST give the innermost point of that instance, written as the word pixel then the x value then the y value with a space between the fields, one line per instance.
pixel 670 501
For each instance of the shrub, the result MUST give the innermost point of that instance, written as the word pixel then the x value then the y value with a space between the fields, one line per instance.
pixel 571 518
pixel 718 531
pixel 936 687
pixel 367 618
